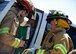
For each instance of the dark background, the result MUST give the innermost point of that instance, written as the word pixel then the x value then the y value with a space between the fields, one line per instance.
pixel 72 33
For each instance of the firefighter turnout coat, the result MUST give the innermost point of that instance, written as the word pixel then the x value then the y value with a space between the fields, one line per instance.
pixel 57 42
pixel 8 28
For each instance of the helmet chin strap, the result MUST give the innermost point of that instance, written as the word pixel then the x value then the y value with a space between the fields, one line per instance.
pixel 55 21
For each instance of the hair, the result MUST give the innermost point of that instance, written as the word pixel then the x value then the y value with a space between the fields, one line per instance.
pixel 20 6
pixel 32 12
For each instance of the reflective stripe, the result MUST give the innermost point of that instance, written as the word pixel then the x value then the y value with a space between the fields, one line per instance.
pixel 54 13
pixel 61 47
pixel 16 43
pixel 4 30
pixel 60 13
pixel 41 51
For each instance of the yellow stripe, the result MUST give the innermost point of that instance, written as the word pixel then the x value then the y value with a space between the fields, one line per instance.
pixel 61 47
pixel 60 13
pixel 42 52
pixel 16 43
pixel 55 13
pixel 13 43
pixel 39 51
pixel 4 30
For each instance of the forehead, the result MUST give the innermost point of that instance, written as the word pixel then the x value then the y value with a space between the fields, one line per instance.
pixel 25 11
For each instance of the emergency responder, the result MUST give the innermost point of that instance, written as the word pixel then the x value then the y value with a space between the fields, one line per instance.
pixel 57 41
pixel 9 25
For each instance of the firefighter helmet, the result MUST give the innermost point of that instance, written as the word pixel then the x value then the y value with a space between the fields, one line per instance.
pixel 25 4
pixel 53 14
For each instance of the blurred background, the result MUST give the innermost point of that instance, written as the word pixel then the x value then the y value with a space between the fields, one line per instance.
pixel 67 6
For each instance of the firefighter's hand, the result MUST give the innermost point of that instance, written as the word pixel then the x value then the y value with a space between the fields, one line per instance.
pixel 22 43
pixel 28 51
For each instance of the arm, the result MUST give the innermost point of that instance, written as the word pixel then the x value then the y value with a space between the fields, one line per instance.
pixel 6 37
pixel 60 45
pixel 46 43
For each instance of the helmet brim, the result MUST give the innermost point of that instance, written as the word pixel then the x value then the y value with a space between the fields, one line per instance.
pixel 49 19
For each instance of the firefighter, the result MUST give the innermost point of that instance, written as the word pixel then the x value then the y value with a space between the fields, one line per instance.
pixel 57 41
pixel 9 25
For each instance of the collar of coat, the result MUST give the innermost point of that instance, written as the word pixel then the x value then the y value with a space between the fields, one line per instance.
pixel 59 30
